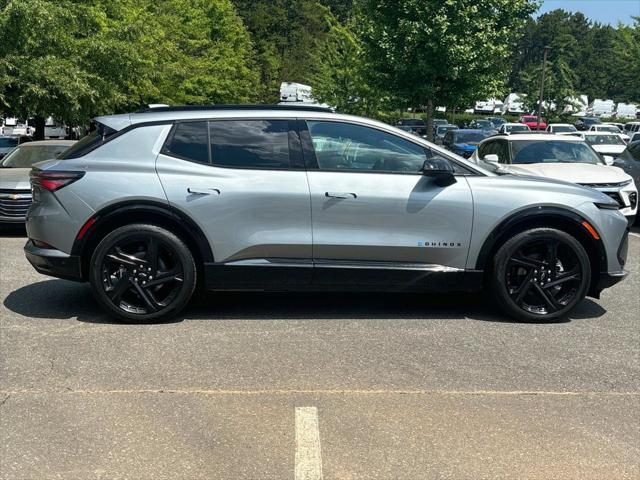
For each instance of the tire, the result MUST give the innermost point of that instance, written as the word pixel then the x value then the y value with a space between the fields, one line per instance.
pixel 142 274
pixel 527 287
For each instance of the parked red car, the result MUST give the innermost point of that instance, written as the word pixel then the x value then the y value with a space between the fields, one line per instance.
pixel 531 121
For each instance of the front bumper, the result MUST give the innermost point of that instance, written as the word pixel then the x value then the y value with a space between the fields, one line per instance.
pixel 54 263
pixel 607 280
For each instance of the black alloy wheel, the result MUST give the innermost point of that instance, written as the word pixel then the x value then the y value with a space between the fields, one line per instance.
pixel 541 274
pixel 142 273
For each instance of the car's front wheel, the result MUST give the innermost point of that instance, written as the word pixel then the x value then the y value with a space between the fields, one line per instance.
pixel 540 274
pixel 142 273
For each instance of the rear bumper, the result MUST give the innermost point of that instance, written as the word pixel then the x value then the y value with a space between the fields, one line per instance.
pixel 54 263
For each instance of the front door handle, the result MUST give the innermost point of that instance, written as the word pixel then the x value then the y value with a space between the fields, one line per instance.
pixel 340 195
pixel 203 191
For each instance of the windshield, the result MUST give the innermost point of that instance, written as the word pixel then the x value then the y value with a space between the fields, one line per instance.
pixel 608 128
pixel 446 128
pixel 553 151
pixel 632 152
pixel 517 128
pixel 8 142
pixel 603 140
pixel 26 156
pixel 468 137
pixel 532 119
pixel 564 128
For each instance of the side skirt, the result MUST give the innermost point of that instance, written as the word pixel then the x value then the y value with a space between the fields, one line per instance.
pixel 299 275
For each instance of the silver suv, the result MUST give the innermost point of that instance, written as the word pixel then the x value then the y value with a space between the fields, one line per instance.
pixel 156 203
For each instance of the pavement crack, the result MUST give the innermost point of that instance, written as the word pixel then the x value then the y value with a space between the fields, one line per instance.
pixel 4 400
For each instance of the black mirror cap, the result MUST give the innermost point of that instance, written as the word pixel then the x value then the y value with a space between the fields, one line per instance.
pixel 440 170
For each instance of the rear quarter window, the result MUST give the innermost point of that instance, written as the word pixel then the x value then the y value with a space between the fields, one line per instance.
pixel 189 141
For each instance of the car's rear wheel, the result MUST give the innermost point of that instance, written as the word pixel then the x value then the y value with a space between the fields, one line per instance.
pixel 142 273
pixel 540 274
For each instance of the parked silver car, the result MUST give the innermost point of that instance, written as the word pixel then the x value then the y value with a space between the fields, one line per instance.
pixel 15 191
pixel 155 203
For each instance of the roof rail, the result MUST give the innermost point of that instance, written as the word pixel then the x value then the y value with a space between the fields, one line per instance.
pixel 191 108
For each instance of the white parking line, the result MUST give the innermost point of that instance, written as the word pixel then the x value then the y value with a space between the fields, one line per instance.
pixel 634 234
pixel 308 455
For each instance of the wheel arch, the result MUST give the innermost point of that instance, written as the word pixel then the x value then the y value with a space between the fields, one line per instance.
pixel 155 213
pixel 551 217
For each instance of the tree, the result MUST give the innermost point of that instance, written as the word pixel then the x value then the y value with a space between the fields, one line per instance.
pixel 74 59
pixel 285 34
pixel 340 74
pixel 423 51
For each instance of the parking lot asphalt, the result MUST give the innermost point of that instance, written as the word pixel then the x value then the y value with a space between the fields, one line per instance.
pixel 404 386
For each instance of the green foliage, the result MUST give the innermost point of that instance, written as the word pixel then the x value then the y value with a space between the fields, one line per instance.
pixel 340 74
pixel 588 58
pixel 439 50
pixel 286 34
pixel 75 59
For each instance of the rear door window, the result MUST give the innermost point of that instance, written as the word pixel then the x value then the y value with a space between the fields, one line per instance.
pixel 251 144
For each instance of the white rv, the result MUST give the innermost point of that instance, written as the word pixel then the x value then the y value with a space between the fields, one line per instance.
pixel 8 124
pixel 577 106
pixel 602 108
pixel 54 129
pixel 295 92
pixel 626 110
pixel 513 104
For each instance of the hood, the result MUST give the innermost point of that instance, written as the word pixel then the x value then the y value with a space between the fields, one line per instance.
pixel 609 149
pixel 14 179
pixel 571 172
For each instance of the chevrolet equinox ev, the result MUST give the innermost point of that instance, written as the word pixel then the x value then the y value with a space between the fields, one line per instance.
pixel 154 204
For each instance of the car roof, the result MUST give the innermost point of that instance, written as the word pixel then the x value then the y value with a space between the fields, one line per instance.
pixel 45 143
pixel 470 130
pixel 513 124
pixel 196 112
pixel 560 125
pixel 540 136
pixel 596 133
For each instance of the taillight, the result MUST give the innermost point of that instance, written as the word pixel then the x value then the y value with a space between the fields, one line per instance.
pixel 53 180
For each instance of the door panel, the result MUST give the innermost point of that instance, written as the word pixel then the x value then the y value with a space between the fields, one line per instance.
pixel 390 218
pixel 245 214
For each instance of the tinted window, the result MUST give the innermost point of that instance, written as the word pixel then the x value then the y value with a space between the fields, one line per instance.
pixel 632 152
pixel 603 139
pixel 189 141
pixel 344 146
pixel 469 137
pixel 89 142
pixel 250 143
pixel 25 157
pixel 552 151
pixel 8 142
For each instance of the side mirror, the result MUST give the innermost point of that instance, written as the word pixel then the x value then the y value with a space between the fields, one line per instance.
pixel 608 159
pixel 491 157
pixel 441 170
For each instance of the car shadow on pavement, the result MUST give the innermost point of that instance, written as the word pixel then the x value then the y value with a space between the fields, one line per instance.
pixel 60 299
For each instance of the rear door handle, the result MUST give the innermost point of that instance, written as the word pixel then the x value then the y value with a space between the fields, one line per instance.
pixel 203 191
pixel 340 195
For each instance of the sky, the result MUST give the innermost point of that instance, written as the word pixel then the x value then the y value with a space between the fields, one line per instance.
pixel 603 11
